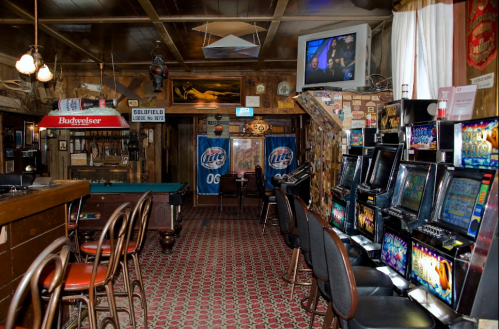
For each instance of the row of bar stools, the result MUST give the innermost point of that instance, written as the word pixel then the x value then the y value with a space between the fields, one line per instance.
pixel 140 218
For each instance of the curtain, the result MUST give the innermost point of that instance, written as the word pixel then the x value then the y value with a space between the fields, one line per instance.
pixel 403 50
pixel 435 29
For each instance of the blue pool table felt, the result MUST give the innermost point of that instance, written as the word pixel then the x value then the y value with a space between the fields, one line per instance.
pixel 135 187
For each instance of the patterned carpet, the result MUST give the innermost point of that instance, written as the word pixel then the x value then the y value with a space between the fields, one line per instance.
pixel 223 273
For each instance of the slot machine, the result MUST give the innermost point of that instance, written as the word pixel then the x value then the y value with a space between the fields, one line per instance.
pixel 454 256
pixel 430 141
pixel 394 116
pixel 374 194
pixel 360 141
pixel 296 182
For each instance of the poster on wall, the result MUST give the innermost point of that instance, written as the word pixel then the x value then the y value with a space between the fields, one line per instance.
pixel 482 33
pixel 247 152
pixel 279 156
pixel 212 161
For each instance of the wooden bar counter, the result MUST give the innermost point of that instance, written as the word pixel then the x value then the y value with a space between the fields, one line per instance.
pixel 32 218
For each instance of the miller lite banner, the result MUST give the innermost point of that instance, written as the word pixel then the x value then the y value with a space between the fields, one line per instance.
pixel 213 161
pixel 280 156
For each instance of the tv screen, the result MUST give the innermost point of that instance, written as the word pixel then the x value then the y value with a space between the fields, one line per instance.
pixel 433 271
pixel 394 252
pixel 338 58
pixel 349 166
pixel 413 189
pixel 459 201
pixel 382 168
pixel 365 220
pixel 337 215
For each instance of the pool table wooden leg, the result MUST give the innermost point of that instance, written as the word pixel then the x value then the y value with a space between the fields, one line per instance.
pixel 167 241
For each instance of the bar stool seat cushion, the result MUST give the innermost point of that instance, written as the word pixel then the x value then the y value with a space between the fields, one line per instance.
pixel 91 247
pixel 371 282
pixel 72 225
pixel 389 312
pixel 270 198
pixel 355 255
pixel 77 276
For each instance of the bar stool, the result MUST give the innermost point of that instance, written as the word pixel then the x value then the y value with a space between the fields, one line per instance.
pixel 140 218
pixel 267 200
pixel 364 312
pixel 56 256
pixel 83 277
pixel 291 234
pixel 369 281
pixel 73 225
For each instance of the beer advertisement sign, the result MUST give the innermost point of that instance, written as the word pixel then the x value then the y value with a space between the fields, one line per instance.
pixel 482 32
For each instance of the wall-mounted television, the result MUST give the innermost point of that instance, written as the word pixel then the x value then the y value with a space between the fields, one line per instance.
pixel 349 50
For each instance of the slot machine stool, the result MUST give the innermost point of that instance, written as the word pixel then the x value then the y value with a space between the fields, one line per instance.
pixel 356 312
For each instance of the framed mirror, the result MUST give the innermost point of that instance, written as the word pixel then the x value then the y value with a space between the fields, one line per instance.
pixel 29 133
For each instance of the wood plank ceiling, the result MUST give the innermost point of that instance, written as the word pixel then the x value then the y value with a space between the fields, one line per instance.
pixel 84 33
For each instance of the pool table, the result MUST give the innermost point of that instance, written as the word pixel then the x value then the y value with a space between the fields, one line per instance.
pixel 165 212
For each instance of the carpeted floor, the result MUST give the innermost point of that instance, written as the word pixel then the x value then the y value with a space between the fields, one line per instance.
pixel 223 273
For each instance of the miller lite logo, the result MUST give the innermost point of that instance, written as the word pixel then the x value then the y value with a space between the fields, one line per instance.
pixel 213 158
pixel 281 157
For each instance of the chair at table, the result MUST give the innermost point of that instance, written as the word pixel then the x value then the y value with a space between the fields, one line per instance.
pixel 291 234
pixel 227 188
pixel 86 277
pixel 365 312
pixel 56 256
pixel 369 281
pixel 140 217
pixel 73 225
pixel 267 200
pixel 251 188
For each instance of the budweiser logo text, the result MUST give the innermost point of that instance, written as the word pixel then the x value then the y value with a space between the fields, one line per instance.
pixel 79 122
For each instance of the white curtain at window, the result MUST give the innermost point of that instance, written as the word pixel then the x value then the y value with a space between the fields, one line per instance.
pixel 435 30
pixel 403 51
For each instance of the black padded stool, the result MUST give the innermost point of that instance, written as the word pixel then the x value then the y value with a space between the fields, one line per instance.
pixel 368 283
pixel 364 312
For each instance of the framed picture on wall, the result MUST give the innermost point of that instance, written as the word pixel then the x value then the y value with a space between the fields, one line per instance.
pixel 246 153
pixel 19 139
pixel 206 90
pixel 62 145
pixel 9 166
pixel 29 133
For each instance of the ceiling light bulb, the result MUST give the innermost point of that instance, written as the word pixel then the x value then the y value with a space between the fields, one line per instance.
pixel 44 74
pixel 26 65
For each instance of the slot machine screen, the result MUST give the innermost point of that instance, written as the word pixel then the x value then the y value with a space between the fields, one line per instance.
pixel 459 201
pixel 348 172
pixel 356 139
pixel 394 251
pixel 381 168
pixel 433 271
pixel 365 220
pixel 337 215
pixel 413 189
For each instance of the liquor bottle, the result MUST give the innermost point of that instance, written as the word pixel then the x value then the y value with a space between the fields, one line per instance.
pixel 81 104
pixel 442 110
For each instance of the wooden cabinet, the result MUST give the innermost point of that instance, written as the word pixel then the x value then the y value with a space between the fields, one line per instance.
pixel 99 174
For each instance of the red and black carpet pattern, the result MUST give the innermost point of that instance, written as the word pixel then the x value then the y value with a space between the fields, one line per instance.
pixel 223 273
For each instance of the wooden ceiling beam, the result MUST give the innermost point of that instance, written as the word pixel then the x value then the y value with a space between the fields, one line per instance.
pixel 276 20
pixel 160 27
pixel 193 19
pixel 27 16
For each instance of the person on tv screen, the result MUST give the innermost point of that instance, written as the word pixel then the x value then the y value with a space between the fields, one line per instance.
pixel 334 53
pixel 333 72
pixel 347 55
pixel 315 74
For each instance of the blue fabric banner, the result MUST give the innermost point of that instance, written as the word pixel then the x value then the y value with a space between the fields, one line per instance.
pixel 279 155
pixel 213 161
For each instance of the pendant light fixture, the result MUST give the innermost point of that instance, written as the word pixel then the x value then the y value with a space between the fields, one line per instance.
pixel 32 61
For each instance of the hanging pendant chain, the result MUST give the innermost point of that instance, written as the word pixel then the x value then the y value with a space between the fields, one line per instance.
pixel 114 74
